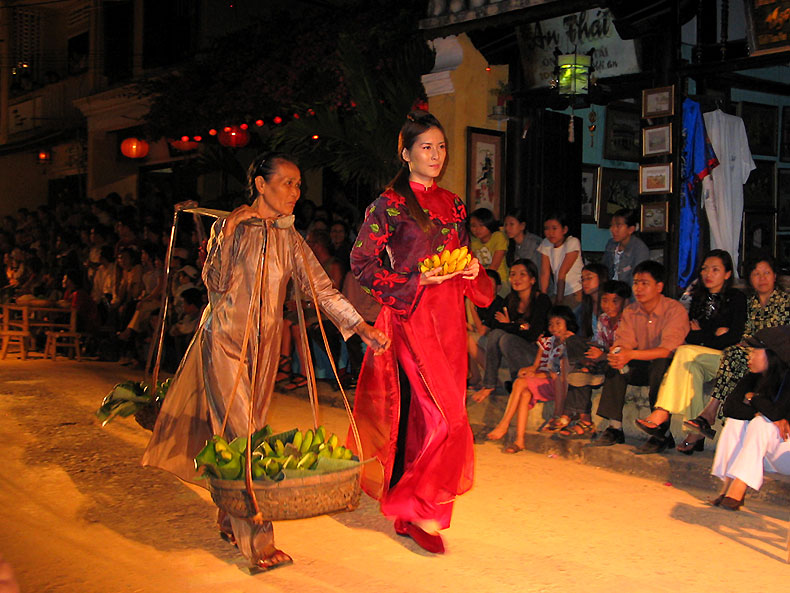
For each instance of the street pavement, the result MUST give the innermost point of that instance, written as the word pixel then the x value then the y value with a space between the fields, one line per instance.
pixel 79 514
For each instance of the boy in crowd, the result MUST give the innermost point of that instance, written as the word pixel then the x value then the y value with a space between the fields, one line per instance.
pixel 650 331
pixel 624 250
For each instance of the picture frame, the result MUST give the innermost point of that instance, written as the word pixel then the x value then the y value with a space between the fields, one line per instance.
pixel 658 102
pixel 655 179
pixel 618 188
pixel 485 169
pixel 759 191
pixel 621 133
pixel 590 193
pixel 784 136
pixel 783 200
pixel 654 217
pixel 762 127
pixel 657 140
pixel 766 33
pixel 758 235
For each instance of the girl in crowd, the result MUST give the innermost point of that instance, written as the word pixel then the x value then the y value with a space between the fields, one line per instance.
pixel 518 325
pixel 593 277
pixel 768 306
pixel 718 314
pixel 253 244
pixel 589 373
pixel 521 243
pixel 624 251
pixel 489 244
pixel 541 381
pixel 410 402
pixel 562 260
pixel 755 437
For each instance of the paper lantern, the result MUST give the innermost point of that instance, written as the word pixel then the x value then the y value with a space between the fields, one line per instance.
pixel 44 156
pixel 134 148
pixel 233 137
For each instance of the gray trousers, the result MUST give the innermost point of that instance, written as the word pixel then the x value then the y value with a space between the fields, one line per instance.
pixel 505 350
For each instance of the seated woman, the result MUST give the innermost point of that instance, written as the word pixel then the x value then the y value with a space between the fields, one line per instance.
pixel 769 306
pixel 754 440
pixel 593 277
pixel 718 314
pixel 542 381
pixel 518 325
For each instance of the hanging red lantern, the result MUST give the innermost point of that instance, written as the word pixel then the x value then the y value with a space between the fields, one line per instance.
pixel 234 137
pixel 44 156
pixel 183 145
pixel 134 148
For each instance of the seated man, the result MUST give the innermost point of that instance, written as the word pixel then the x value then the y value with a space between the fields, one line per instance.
pixel 649 332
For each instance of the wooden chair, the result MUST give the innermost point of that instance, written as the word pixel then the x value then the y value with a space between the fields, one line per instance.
pixel 15 330
pixel 64 336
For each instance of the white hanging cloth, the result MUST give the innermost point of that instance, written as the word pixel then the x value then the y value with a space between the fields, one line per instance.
pixel 722 190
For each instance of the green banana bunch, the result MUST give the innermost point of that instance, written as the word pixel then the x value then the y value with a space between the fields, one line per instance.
pixel 270 454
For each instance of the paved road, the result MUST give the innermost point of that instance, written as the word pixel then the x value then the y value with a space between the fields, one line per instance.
pixel 78 514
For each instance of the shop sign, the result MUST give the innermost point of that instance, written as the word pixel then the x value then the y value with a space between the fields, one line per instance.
pixel 582 31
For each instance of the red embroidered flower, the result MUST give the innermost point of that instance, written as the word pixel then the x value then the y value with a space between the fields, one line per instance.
pixel 388 279
pixel 395 200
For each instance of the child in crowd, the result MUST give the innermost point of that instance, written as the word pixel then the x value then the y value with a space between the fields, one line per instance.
pixel 542 381
pixel 479 320
pixel 587 372
pixel 624 251
pixel 593 277
pixel 489 244
pixel 562 260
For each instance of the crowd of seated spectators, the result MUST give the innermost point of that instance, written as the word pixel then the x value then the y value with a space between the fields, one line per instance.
pixel 566 327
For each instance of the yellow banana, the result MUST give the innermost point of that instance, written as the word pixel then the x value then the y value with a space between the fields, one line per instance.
pixel 462 252
pixel 444 258
pixel 436 261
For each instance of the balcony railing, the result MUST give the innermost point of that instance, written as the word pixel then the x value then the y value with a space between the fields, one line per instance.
pixel 46 109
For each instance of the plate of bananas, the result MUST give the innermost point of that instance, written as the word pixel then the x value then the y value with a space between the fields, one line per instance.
pixel 449 262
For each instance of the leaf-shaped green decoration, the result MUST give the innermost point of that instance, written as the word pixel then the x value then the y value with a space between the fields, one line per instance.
pixel 440 249
pixel 375 228
pixel 358 244
pixel 393 211
pixel 445 231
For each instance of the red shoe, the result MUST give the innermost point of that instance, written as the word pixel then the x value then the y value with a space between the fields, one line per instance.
pixel 429 542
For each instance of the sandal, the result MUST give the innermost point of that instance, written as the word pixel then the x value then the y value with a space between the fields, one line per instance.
pixel 513 448
pixel 701 426
pixel 274 560
pixel 228 537
pixel 297 382
pixel 555 424
pixel 581 429
pixel 283 369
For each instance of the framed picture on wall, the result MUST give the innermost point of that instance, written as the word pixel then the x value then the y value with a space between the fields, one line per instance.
pixel 590 193
pixel 655 179
pixel 658 102
pixel 619 189
pixel 759 191
pixel 622 133
pixel 759 235
pixel 657 140
pixel 762 126
pixel 485 169
pixel 654 217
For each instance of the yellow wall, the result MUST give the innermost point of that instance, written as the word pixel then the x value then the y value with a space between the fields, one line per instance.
pixel 469 105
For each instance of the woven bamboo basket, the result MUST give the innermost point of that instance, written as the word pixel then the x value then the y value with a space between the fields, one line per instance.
pixel 295 498
pixel 146 416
